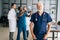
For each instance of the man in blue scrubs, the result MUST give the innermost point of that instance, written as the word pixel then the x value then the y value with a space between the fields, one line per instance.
pixel 22 22
pixel 39 22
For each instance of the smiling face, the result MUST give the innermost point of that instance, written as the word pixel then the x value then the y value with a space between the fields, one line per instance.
pixel 40 6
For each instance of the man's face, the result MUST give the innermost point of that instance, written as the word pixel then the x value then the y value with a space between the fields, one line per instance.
pixel 14 6
pixel 40 6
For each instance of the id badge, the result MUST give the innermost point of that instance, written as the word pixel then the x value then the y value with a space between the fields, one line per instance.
pixel 36 19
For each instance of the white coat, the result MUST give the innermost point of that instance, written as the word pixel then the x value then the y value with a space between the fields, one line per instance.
pixel 12 20
pixel 27 23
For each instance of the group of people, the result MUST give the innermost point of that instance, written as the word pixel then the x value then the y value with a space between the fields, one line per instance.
pixel 19 20
pixel 38 22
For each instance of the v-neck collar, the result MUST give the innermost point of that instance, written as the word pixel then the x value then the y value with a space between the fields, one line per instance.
pixel 41 14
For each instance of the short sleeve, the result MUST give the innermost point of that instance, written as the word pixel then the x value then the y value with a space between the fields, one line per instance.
pixel 49 19
pixel 32 18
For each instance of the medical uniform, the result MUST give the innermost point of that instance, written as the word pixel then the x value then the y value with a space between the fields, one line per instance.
pixel 21 26
pixel 58 28
pixel 40 23
pixel 12 20
pixel 27 25
pixel 12 23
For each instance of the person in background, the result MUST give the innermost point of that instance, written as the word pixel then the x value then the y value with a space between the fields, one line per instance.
pixel 39 22
pixel 22 22
pixel 28 20
pixel 20 10
pixel 12 21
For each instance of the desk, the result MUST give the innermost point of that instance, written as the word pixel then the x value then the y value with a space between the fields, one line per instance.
pixel 53 33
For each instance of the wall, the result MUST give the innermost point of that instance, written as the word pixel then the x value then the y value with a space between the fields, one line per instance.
pixel 0 8
pixel 58 11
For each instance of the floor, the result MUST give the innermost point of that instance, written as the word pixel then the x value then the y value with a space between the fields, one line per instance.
pixel 4 34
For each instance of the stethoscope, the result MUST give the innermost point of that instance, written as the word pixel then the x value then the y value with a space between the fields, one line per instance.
pixel 36 19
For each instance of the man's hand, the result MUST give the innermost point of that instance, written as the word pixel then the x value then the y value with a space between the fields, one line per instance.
pixel 34 37
pixel 45 37
pixel 49 27
pixel 31 29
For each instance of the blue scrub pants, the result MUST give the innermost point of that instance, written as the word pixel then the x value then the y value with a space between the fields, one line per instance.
pixel 23 29
pixel 39 37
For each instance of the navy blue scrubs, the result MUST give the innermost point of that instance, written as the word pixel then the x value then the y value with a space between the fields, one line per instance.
pixel 40 23
pixel 21 26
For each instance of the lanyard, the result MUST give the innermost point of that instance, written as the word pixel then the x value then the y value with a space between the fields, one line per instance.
pixel 36 18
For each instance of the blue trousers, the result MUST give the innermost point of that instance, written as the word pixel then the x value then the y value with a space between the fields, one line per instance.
pixel 21 29
pixel 40 37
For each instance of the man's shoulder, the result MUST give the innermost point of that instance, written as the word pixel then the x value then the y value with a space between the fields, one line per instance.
pixel 46 13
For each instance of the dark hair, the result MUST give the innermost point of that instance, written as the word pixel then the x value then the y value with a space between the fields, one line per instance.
pixel 58 23
pixel 19 7
pixel 12 4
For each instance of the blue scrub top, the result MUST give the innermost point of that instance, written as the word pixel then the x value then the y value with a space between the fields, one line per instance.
pixel 40 22
pixel 22 20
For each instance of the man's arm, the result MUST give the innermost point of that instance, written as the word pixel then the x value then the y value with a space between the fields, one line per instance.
pixel 48 31
pixel 49 27
pixel 31 29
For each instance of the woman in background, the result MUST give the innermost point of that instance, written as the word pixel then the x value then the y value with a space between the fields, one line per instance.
pixel 12 21
pixel 28 20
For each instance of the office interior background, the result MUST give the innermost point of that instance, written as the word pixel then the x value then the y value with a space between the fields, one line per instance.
pixel 50 6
